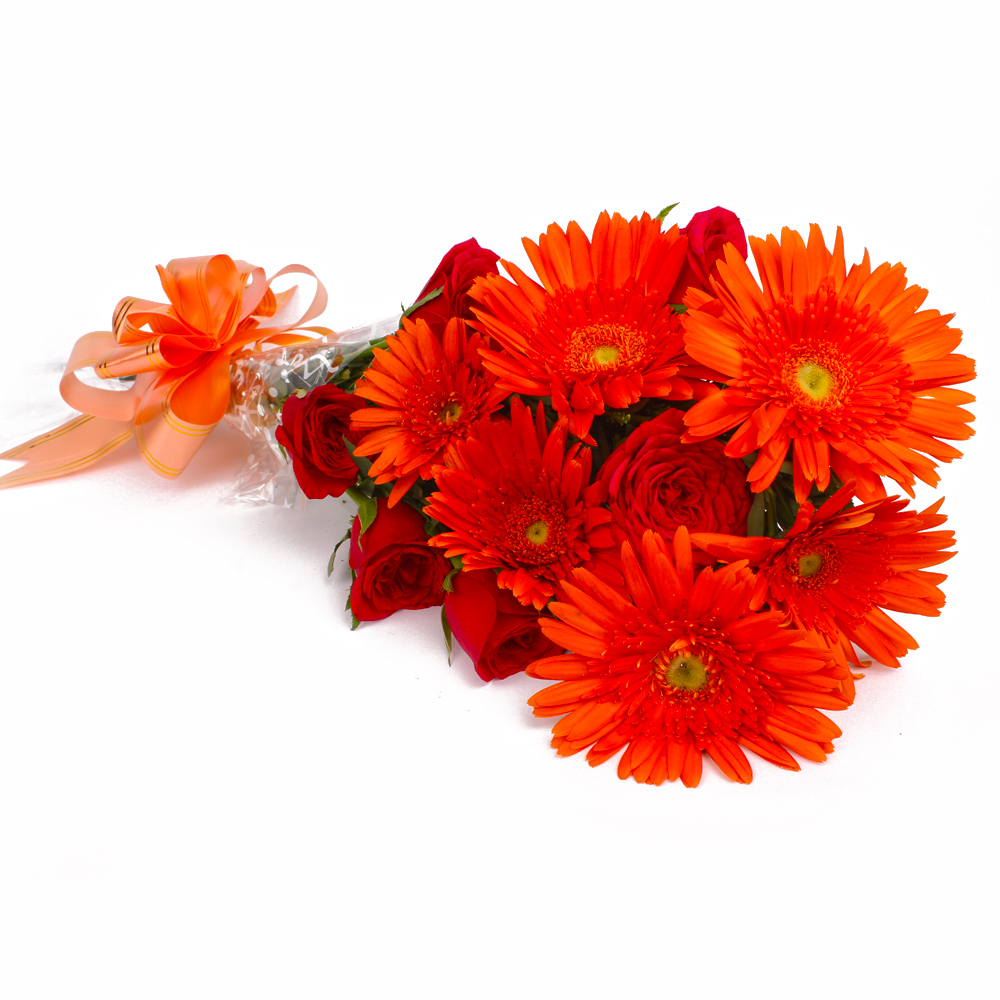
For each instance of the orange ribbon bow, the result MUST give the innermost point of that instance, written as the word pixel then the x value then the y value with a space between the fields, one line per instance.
pixel 219 308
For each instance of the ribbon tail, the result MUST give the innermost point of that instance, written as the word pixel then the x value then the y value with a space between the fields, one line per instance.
pixel 78 443
pixel 168 443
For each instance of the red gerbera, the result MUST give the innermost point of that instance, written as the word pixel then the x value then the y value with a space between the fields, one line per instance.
pixel 599 330
pixel 428 393
pixel 839 364
pixel 836 569
pixel 676 665
pixel 517 500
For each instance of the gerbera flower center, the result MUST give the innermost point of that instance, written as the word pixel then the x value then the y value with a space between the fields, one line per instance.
pixel 813 563
pixel 818 377
pixel 606 354
pixel 535 532
pixel 451 412
pixel 815 381
pixel 810 563
pixel 436 413
pixel 685 671
pixel 603 346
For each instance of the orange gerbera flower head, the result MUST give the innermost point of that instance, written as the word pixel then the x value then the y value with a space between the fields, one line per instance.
pixel 517 500
pixel 675 665
pixel 427 394
pixel 841 365
pixel 835 570
pixel 598 331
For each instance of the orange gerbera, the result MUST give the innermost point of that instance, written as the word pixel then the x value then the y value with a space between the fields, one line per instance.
pixel 599 330
pixel 428 393
pixel 517 500
pixel 674 666
pixel 839 364
pixel 835 570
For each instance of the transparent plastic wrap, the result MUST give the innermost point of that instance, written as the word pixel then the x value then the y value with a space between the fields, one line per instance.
pixel 260 385
pixel 32 404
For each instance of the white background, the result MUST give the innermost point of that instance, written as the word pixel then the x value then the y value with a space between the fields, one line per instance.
pixel 210 787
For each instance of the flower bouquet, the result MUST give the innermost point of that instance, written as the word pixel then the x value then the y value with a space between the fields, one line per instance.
pixel 644 473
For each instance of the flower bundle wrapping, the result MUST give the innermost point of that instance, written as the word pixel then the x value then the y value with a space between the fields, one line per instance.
pixel 642 473
pixel 261 386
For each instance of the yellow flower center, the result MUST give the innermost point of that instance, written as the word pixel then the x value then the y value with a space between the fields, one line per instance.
pixel 685 671
pixel 810 563
pixel 451 413
pixel 604 347
pixel 819 378
pixel 537 533
pixel 606 354
pixel 815 381
pixel 534 532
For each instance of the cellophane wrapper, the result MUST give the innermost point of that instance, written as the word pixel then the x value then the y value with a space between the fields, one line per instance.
pixel 260 384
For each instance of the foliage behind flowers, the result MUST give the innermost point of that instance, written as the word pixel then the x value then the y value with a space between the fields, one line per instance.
pixel 653 479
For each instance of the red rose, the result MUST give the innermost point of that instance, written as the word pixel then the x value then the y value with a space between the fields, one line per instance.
pixel 311 431
pixel 653 481
pixel 458 269
pixel 707 233
pixel 499 633
pixel 395 567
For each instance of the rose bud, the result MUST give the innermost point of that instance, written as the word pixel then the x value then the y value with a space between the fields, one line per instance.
pixel 458 269
pixel 707 233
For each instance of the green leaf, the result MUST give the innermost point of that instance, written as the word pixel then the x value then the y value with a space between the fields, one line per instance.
pixel 786 508
pixel 367 508
pixel 429 297
pixel 755 521
pixel 355 622
pixel 367 511
pixel 414 498
pixel 448 586
pixel 770 520
pixel 678 307
pixel 355 368
pixel 364 464
pixel 347 606
pixel 329 565
pixel 663 214
pixel 447 633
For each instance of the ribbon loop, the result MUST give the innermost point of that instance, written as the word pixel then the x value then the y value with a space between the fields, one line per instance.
pixel 179 353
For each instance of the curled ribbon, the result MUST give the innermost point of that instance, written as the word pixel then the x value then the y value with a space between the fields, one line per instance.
pixel 218 309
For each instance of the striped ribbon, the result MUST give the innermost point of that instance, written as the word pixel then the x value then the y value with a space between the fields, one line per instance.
pixel 180 354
